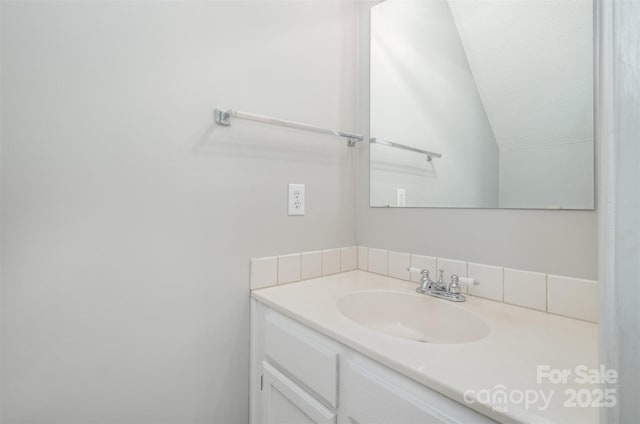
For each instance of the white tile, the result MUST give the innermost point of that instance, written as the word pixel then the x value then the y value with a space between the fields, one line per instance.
pixel 450 266
pixel 572 297
pixel 490 279
pixel 525 288
pixel 378 261
pixel 330 261
pixel 310 265
pixel 288 268
pixel 423 262
pixel 348 258
pixel 397 264
pixel 264 272
pixel 363 258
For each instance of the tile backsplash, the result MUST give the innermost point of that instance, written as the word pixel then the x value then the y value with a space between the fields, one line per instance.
pixel 288 268
pixel 525 288
pixel 572 297
pixel 491 281
pixel 310 265
pixel 348 258
pixel 378 261
pixel 397 264
pixel 567 296
pixel 331 261
pixel 264 272
pixel 273 270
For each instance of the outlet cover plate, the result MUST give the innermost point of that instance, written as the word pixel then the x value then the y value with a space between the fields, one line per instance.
pixel 296 199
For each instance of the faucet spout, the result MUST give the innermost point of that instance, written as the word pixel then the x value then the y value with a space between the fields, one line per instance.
pixel 439 285
pixel 425 282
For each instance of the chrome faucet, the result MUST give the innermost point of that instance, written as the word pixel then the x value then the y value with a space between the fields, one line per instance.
pixel 425 281
pixel 439 288
pixel 440 284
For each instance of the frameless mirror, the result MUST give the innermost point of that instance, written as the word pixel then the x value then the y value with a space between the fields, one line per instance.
pixel 482 104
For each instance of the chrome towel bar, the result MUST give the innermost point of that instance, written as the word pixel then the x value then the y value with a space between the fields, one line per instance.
pixel 430 155
pixel 224 117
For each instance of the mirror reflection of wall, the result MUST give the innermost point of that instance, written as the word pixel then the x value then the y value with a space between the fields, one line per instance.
pixel 503 90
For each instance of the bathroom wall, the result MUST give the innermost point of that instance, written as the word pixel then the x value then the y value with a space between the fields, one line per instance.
pixel 128 218
pixel 557 242
pixel 413 45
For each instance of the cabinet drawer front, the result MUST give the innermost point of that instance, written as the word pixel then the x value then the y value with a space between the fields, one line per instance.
pixel 284 402
pixel 378 395
pixel 303 355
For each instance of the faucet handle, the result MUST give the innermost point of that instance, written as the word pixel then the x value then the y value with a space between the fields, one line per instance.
pixel 455 285
pixel 468 280
pixel 424 272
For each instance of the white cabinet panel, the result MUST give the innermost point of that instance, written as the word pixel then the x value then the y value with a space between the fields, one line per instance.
pixel 284 402
pixel 304 355
pixel 375 394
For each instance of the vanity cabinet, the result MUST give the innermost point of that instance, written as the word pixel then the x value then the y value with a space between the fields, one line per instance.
pixel 301 376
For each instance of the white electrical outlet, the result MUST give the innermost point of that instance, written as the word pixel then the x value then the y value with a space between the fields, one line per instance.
pixel 401 197
pixel 296 199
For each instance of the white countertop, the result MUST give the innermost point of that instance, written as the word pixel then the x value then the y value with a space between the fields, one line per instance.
pixel 520 339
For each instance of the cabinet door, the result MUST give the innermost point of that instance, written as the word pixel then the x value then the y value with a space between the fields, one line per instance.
pixel 304 355
pixel 378 395
pixel 284 402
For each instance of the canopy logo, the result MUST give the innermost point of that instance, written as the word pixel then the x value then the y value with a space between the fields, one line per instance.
pixel 584 387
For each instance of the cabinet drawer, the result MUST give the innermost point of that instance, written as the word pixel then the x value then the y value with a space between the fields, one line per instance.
pixel 376 394
pixel 304 355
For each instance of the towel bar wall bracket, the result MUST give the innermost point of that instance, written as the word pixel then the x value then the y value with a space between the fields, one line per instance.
pixel 224 117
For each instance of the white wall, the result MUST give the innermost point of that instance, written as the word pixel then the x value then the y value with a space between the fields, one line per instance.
pixel 560 242
pixel 424 95
pixel 128 220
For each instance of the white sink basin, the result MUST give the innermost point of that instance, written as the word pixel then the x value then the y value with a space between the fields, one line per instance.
pixel 416 317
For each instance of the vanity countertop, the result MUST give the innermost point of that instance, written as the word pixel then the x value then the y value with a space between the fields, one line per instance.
pixel 520 340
